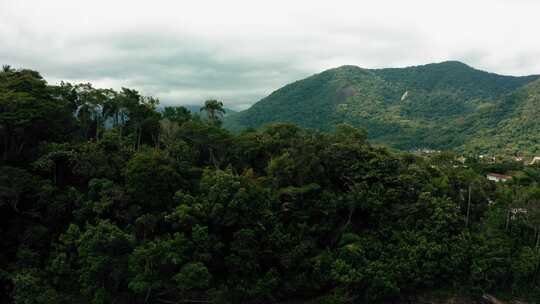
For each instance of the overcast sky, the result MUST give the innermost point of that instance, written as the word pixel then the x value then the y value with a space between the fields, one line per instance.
pixel 240 51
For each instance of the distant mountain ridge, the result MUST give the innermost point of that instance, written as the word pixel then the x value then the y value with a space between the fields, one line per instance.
pixel 447 105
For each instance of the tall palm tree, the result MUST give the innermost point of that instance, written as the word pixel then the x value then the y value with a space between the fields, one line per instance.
pixel 214 111
pixel 6 68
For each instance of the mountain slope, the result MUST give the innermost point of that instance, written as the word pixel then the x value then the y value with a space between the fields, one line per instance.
pixel 518 132
pixel 439 105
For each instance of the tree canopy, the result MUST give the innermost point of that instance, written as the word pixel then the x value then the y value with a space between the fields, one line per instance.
pixel 104 199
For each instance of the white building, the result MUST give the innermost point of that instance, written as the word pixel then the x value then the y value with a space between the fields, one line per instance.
pixel 496 177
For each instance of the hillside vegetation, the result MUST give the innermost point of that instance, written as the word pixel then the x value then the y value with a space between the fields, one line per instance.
pixel 167 207
pixel 438 106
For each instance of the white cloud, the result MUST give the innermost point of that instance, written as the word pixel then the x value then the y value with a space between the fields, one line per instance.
pixel 239 51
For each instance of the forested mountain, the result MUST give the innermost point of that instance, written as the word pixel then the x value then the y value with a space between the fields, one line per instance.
pixel 444 105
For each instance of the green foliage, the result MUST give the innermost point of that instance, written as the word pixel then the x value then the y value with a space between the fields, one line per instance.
pixel 31 288
pixel 29 114
pixel 103 252
pixel 135 206
pixel 178 115
pixel 156 263
pixel 193 276
pixel 152 178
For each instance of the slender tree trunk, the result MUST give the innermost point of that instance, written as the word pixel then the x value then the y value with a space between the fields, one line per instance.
pixel 147 295
pixel 21 148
